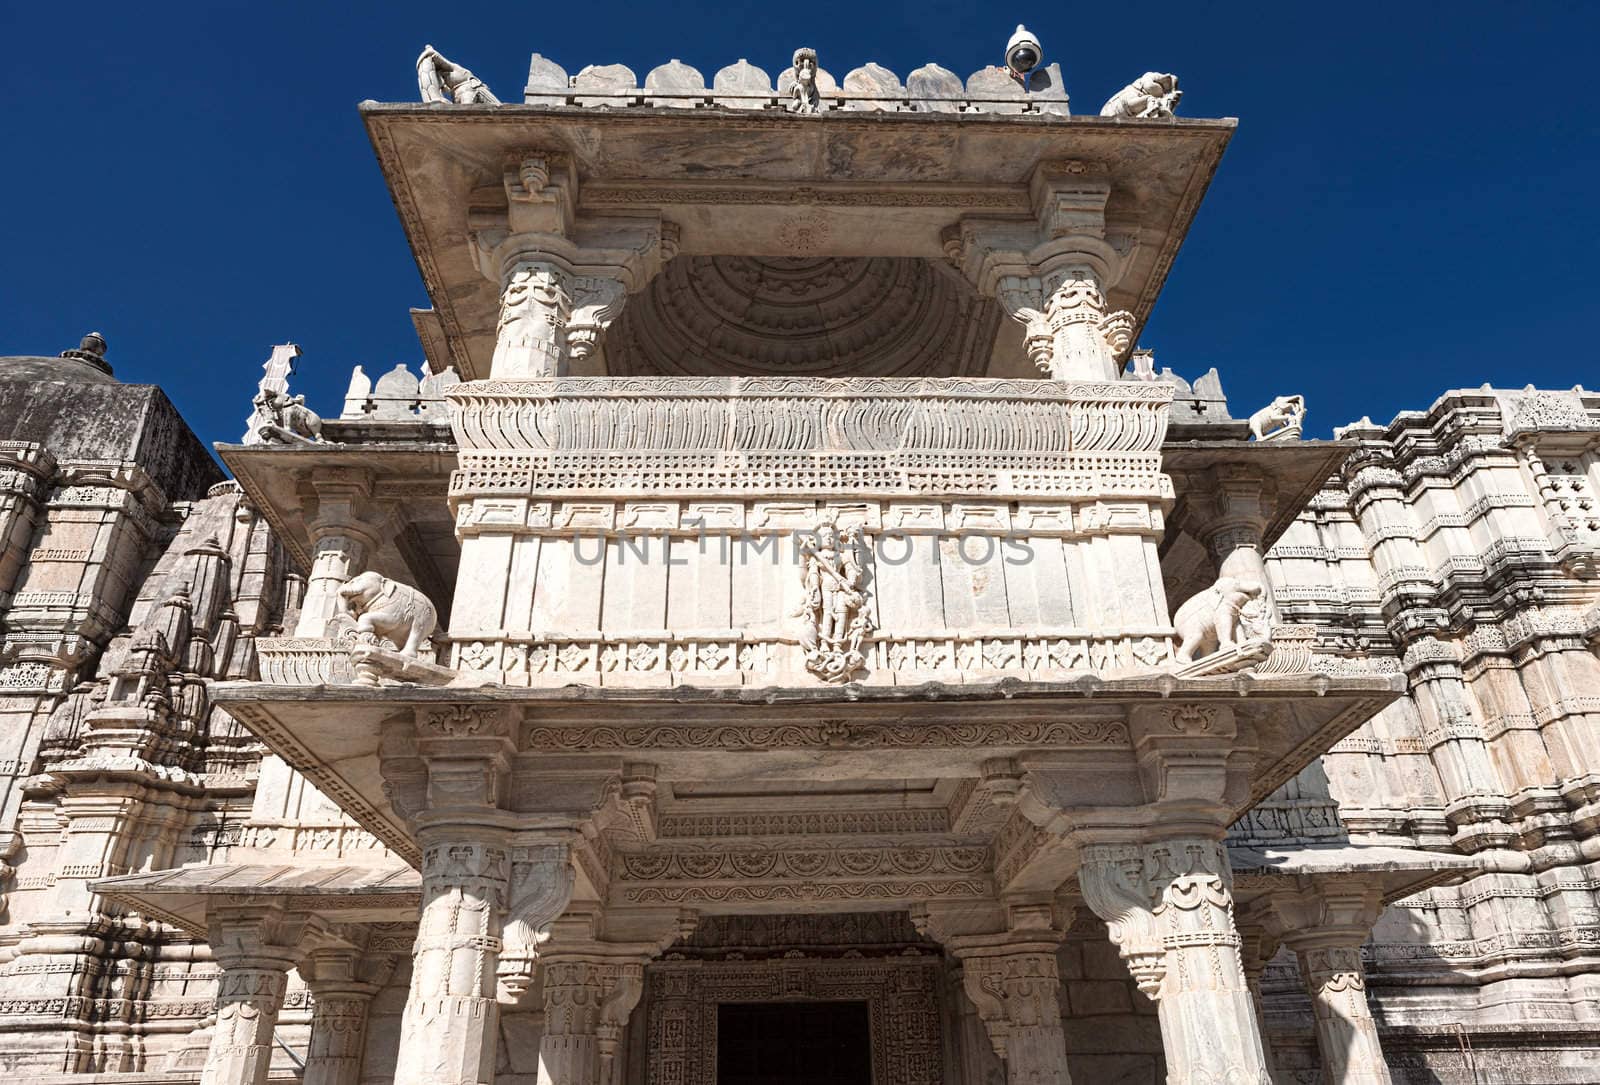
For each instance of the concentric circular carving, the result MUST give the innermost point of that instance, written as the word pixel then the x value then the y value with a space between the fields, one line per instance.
pixel 821 317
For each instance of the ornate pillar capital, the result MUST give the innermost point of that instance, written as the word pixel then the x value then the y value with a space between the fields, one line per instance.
pixel 1009 974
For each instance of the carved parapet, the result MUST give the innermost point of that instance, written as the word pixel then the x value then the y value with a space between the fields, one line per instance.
pixel 730 435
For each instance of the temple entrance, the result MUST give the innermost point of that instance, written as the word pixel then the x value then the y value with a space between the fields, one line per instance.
pixel 793 1043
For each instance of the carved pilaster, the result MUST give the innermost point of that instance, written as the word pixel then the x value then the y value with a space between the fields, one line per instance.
pixel 1011 978
pixel 1169 907
pixel 1325 924
pixel 587 1002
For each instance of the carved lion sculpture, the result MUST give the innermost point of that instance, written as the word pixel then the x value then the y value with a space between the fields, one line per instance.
pixel 388 610
pixel 1279 420
pixel 1153 94
pixel 1212 620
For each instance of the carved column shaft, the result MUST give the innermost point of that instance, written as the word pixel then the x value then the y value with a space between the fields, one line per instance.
pixel 255 949
pixel 448 1034
pixel 1086 341
pixel 1347 1035
pixel 342 980
pixel 336 557
pixel 1018 995
pixel 535 306
pixel 1169 907
pixel 338 1035
pixel 587 1002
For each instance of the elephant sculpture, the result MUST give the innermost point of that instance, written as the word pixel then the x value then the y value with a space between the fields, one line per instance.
pixel 1213 620
pixel 386 609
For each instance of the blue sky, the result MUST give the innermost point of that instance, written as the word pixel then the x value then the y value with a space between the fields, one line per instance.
pixel 1408 205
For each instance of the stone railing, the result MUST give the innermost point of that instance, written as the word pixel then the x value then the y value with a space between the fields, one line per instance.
pixel 398 395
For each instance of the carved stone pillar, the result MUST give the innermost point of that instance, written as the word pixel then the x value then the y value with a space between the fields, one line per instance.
pixel 1011 978
pixel 342 981
pixel 1086 341
pixel 587 1002
pixel 448 1033
pixel 1325 924
pixel 335 557
pixel 1254 953
pixel 344 534
pixel 475 870
pixel 255 947
pixel 1169 906
pixel 1347 1035
pixel 535 306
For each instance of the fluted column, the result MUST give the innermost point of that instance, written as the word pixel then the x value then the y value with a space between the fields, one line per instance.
pixel 256 948
pixel 1168 905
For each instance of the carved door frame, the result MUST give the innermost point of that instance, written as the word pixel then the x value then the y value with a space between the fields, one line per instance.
pixel 902 996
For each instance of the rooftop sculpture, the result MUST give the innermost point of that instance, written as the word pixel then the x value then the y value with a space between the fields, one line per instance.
pixel 1023 84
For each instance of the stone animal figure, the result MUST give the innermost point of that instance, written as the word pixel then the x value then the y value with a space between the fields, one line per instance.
pixel 388 610
pixel 285 418
pixel 804 97
pixel 1279 420
pixel 1153 94
pixel 1212 620
pixel 442 80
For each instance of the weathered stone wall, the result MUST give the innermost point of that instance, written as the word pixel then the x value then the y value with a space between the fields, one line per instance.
pixel 1459 546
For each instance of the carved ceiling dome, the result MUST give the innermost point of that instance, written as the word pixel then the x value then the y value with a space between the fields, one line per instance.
pixel 813 317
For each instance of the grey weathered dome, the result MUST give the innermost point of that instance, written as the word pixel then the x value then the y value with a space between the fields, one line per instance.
pixel 85 364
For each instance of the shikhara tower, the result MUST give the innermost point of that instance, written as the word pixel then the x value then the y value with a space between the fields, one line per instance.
pixel 790 629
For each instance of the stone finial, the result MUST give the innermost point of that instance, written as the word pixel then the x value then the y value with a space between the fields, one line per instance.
pixel 92 349
pixel 440 80
pixel 1153 94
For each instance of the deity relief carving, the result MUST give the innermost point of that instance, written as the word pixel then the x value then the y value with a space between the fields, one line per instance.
pixel 834 620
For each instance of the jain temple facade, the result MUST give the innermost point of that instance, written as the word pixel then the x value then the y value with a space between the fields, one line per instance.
pixel 788 632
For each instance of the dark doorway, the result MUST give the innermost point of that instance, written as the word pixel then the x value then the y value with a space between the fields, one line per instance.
pixel 793 1043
